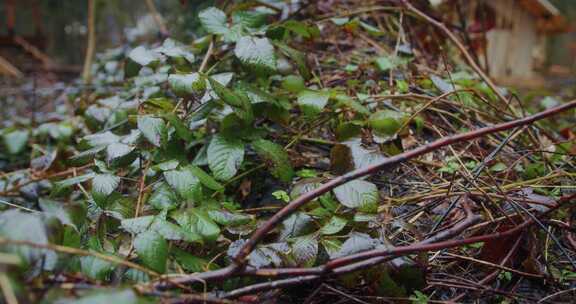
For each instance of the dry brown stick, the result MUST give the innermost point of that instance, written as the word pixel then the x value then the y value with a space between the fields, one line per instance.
pixel 207 56
pixel 80 252
pixel 141 184
pixel 39 178
pixel 462 49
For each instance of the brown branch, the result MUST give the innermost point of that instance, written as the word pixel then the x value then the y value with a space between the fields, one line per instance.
pixel 80 252
pixel 295 204
pixel 374 257
pixel 236 268
pixel 43 177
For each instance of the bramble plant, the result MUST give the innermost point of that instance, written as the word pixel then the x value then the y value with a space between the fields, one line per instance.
pixel 182 151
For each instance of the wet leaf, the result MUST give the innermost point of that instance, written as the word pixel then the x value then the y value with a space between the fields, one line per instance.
pixel 386 122
pixel 20 226
pixel 239 102
pixel 140 224
pixel 225 157
pixel 213 20
pixel 357 194
pixel 152 249
pixel 295 225
pixel 185 183
pixel 15 141
pixel 256 52
pixel 153 129
pixel 187 84
pixel 335 225
pixel 357 242
pixel 313 102
pixel 163 198
pixel 197 222
pixel 305 250
pixel 143 56
pixel 190 262
pixel 103 185
pixel 277 157
pixel 73 214
pixel 227 218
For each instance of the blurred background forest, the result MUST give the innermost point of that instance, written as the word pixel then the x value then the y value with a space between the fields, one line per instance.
pixel 118 22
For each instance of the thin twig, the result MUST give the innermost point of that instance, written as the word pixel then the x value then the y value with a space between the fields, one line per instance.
pixel 81 252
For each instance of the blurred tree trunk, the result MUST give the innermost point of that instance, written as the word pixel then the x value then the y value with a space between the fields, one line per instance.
pixel 86 73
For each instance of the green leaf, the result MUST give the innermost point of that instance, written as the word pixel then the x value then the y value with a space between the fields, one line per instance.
pixel 140 224
pixel 16 141
pixel 224 157
pixel 250 19
pixel 63 184
pixel 357 194
pixel 293 84
pixel 153 129
pixel 357 242
pixel 143 56
pixel 213 21
pixel 190 262
pixel 187 84
pixel 20 226
pixel 281 195
pixel 239 102
pixel 228 218
pixel 102 186
pixel 386 122
pixel 275 154
pixel 312 102
pixel 159 104
pixel 298 57
pixel 387 63
pixel 95 268
pixel 197 222
pixel 296 225
pixel 301 28
pixel 152 249
pixel 101 139
pixel 498 167
pixel 256 52
pixel 186 184
pixel 181 129
pixel 176 50
pixel 205 178
pixel 335 225
pixel 305 250
pixel 72 214
pixel 372 30
pixel 118 153
pixel 163 198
